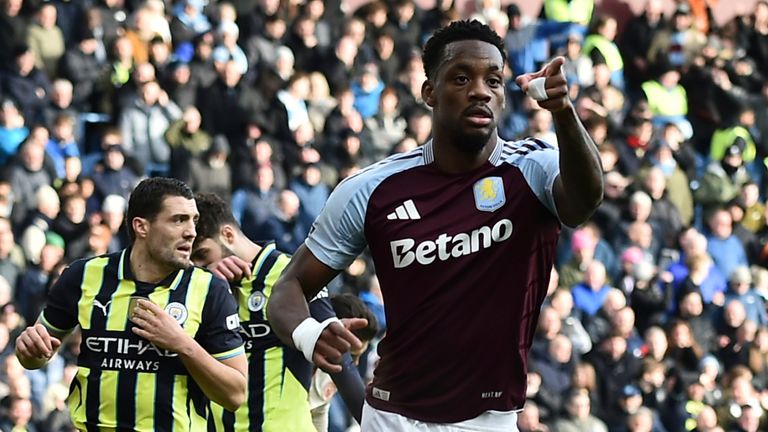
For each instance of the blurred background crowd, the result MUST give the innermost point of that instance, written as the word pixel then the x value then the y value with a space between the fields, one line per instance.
pixel 656 318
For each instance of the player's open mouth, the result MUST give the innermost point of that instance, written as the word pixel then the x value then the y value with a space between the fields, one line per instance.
pixel 185 249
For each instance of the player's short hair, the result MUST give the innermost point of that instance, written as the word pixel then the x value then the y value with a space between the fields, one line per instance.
pixel 214 212
pixel 350 306
pixel 147 198
pixel 457 31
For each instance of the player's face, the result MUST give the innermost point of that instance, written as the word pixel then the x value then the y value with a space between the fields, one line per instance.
pixel 468 93
pixel 171 233
pixel 207 252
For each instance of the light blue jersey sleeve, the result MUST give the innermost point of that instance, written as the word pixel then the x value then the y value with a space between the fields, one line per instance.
pixel 337 236
pixel 540 169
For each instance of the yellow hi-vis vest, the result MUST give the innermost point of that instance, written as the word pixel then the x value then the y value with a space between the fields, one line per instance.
pixel 663 102
pixel 608 49
pixel 723 138
pixel 577 11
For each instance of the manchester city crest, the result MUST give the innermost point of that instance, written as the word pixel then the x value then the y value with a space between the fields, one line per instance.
pixel 177 311
pixel 256 301
pixel 489 194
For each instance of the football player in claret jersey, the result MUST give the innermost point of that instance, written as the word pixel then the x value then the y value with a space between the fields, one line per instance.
pixel 160 337
pixel 462 231
pixel 279 377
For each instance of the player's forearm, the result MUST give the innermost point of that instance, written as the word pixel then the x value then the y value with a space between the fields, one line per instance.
pixel 287 308
pixel 581 171
pixel 220 381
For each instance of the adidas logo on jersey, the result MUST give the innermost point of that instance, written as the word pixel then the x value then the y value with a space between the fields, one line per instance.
pixel 405 251
pixel 405 211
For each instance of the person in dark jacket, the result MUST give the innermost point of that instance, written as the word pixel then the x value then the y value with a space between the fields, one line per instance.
pixel 27 85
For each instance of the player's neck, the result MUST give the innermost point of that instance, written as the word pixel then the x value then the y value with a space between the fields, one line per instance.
pixel 246 249
pixel 145 268
pixel 452 158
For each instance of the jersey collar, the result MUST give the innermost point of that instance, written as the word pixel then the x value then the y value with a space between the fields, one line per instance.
pixel 429 155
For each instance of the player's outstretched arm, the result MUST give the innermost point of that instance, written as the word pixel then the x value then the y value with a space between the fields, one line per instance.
pixel 222 381
pixel 287 311
pixel 578 191
pixel 35 346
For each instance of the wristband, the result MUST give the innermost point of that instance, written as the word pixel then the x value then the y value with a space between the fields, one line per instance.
pixel 537 89
pixel 306 334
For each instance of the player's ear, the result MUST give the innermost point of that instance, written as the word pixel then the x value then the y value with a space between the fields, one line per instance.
pixel 227 234
pixel 140 227
pixel 428 93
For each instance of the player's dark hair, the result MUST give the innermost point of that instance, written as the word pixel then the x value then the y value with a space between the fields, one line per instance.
pixel 457 31
pixel 147 198
pixel 350 306
pixel 214 212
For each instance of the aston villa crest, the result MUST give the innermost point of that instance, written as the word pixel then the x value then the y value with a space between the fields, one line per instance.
pixel 489 194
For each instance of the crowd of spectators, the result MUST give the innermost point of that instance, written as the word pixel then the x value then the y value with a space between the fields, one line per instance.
pixel 656 318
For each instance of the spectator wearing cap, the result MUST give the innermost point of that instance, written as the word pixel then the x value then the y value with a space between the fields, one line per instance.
pixel 630 403
pixel 187 141
pixel 179 85
pixel 46 40
pixel 723 246
pixel 227 49
pixel 188 21
pixel 740 288
pixel 82 68
pixel 113 177
pixel 210 172
pixel 723 179
pixel 26 84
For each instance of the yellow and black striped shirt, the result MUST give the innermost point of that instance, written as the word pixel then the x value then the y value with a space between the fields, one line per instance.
pixel 278 377
pixel 124 382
